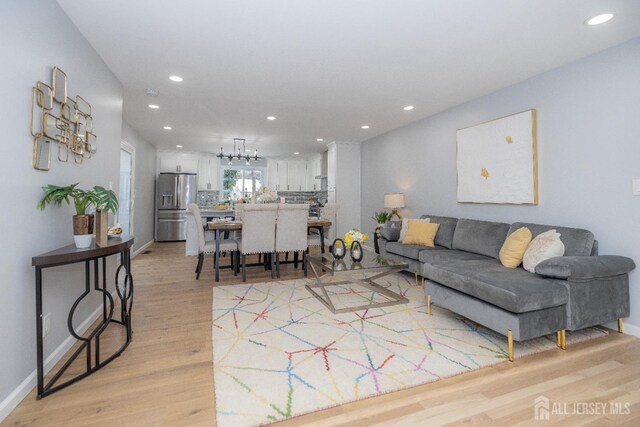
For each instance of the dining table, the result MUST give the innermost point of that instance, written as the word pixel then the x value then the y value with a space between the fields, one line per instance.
pixel 221 226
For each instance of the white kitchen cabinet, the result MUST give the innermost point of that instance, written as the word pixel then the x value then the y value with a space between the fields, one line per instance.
pixel 314 168
pixel 283 172
pixel 332 168
pixel 176 162
pixel 208 173
pixel 272 174
pixel 297 175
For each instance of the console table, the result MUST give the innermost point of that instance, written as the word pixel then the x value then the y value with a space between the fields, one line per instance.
pixel 71 255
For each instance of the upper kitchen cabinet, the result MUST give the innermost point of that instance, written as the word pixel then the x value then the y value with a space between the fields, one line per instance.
pixel 177 162
pixel 297 175
pixel 208 173
pixel 277 174
pixel 314 169
pixel 282 175
pixel 294 174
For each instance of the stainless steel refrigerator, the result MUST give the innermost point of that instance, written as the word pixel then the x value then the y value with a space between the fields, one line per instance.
pixel 174 193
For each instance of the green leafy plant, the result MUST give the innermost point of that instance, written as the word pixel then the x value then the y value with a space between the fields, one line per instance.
pixel 99 197
pixel 106 200
pixel 381 217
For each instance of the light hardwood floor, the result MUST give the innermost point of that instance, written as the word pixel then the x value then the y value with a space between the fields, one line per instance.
pixel 165 377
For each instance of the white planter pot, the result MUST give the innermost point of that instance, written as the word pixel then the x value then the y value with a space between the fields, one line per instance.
pixel 83 240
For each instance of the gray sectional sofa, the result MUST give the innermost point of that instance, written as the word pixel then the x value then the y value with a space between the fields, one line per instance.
pixel 462 273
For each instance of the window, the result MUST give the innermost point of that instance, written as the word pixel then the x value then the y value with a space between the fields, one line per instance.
pixel 241 182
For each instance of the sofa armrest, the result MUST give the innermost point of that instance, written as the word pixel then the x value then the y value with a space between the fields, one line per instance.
pixel 580 268
pixel 391 234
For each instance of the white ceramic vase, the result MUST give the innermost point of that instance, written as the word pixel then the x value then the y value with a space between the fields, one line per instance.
pixel 83 241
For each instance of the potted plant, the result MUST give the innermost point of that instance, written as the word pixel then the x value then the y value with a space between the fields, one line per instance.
pixel 381 218
pixel 82 199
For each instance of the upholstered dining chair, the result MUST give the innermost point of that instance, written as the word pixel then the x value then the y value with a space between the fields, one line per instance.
pixel 329 212
pixel 258 233
pixel 291 233
pixel 209 247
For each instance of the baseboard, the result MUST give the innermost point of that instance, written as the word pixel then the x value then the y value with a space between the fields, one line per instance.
pixel 141 249
pixel 627 328
pixel 20 392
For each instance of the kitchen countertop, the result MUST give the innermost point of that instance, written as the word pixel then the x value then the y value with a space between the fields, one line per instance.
pixel 216 211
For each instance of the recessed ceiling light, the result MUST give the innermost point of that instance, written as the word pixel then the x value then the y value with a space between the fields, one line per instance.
pixel 247 150
pixel 176 78
pixel 178 146
pixel 167 128
pixel 365 126
pixel 599 19
pixel 154 106
pixel 408 108
pixel 296 152
pixel 319 139
pixel 271 118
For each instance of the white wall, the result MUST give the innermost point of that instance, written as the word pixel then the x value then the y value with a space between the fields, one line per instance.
pixel 145 182
pixel 588 153
pixel 36 35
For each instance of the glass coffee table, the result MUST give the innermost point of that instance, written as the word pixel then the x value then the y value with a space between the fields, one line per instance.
pixel 328 271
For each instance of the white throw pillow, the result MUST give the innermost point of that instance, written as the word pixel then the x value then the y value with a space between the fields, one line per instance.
pixel 542 247
pixel 405 225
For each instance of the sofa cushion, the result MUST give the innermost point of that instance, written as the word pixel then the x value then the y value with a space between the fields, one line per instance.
pixel 420 232
pixel 515 290
pixel 514 247
pixel 448 255
pixel 409 251
pixel 444 237
pixel 480 237
pixel 577 241
pixel 391 234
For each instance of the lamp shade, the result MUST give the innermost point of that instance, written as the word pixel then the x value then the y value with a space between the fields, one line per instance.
pixel 394 200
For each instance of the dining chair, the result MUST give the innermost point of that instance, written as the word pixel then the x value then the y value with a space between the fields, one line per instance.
pixel 330 213
pixel 208 247
pixel 258 233
pixel 291 233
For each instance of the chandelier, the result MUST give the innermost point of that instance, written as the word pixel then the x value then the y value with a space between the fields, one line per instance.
pixel 238 152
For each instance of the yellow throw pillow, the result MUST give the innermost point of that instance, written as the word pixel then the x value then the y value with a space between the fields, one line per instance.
pixel 514 247
pixel 420 233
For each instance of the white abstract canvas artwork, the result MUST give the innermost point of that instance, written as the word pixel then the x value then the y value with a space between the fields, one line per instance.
pixel 497 161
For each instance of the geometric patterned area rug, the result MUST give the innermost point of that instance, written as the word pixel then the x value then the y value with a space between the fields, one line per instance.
pixel 278 352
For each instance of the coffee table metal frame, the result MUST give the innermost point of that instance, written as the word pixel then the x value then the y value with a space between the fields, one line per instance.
pixel 317 266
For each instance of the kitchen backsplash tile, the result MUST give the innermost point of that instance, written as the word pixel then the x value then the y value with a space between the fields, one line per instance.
pixel 207 199
pixel 304 196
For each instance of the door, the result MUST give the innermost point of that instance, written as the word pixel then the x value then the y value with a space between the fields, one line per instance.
pixel 167 191
pixel 272 174
pixel 126 190
pixel 186 190
pixel 188 165
pixel 282 175
pixel 168 162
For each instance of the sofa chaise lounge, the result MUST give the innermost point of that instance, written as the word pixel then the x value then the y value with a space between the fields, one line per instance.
pixel 462 273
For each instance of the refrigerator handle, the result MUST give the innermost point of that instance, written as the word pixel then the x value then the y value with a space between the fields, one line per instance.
pixel 179 192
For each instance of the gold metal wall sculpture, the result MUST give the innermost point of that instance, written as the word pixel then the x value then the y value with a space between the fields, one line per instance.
pixel 62 120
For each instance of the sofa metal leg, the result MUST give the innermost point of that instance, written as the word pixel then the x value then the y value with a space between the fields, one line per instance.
pixel 428 305
pixel 510 344
pixel 620 326
pixel 422 282
pixel 416 274
pixel 561 338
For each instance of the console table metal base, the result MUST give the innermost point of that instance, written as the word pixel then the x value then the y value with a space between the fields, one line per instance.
pixel 89 343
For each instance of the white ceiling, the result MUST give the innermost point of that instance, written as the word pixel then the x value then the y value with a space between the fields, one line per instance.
pixel 326 67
